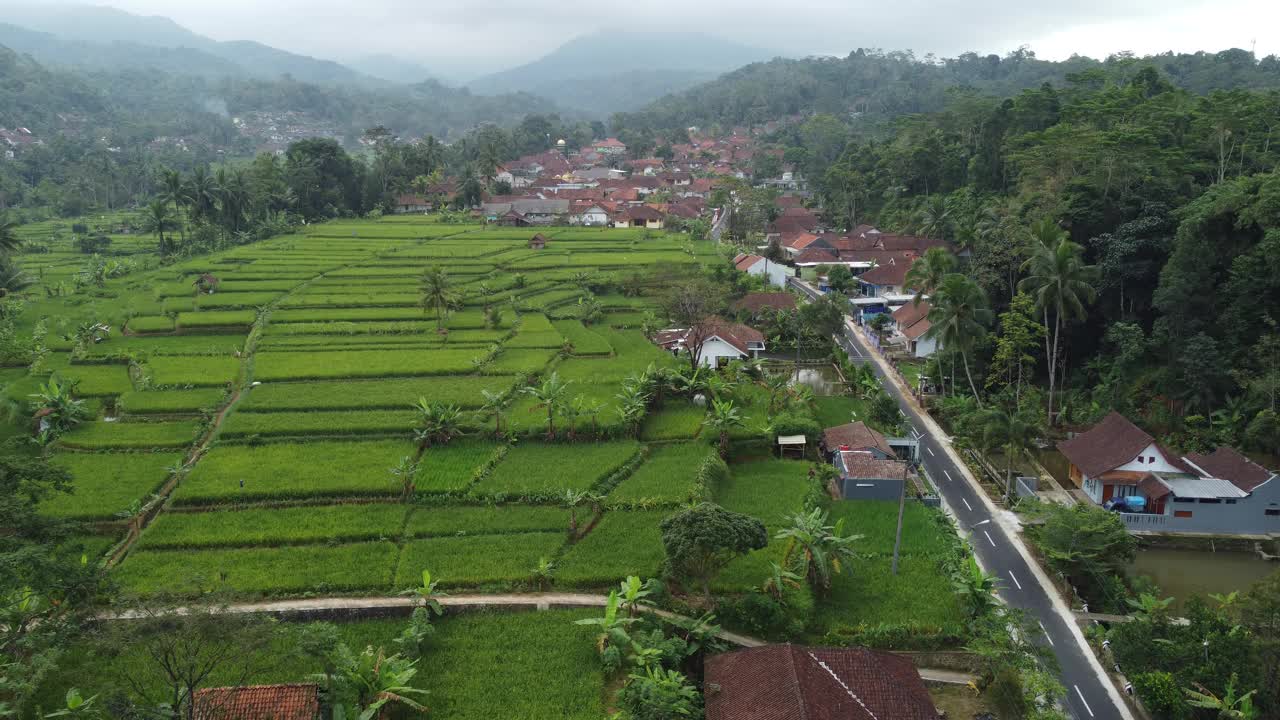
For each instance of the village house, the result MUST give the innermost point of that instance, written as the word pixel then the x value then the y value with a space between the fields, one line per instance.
pixel 757 305
pixel 857 436
pixel 786 682
pixel 293 701
pixel 1118 465
pixel 406 204
pixel 531 211
pixel 775 273
pixel 640 216
pixel 911 322
pixel 609 146
pixel 716 342
pixel 882 289
pixel 592 215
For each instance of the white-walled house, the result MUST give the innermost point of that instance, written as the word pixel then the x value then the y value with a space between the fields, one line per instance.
pixel 776 273
pixel 911 321
pixel 594 216
pixel 1222 493
pixel 716 342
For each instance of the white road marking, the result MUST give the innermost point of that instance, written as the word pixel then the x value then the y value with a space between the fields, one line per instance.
pixel 944 472
pixel 966 504
pixel 984 522
pixel 1047 636
pixel 1015 579
pixel 993 542
pixel 930 451
pixel 1086 702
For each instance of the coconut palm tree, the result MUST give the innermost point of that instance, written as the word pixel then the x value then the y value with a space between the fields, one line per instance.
pixel 927 272
pixel 818 551
pixel 1061 284
pixel 723 418
pixel 437 293
pixel 9 240
pixel 158 220
pixel 1013 431
pixel 549 395
pixel 174 192
pixel 202 195
pixel 934 218
pixel 959 315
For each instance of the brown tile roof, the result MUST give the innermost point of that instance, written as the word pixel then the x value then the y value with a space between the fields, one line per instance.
pixel 911 313
pixel 816 256
pixel 798 241
pixel 856 436
pixel 791 682
pixel 862 465
pixel 1105 446
pixel 788 224
pixel 1152 488
pixel 642 212
pixel 742 262
pixel 917 329
pixel 298 701
pixel 756 301
pixel 893 272
pixel 1228 464
pixel 736 334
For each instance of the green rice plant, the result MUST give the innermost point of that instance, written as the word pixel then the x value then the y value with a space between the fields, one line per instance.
pixel 503 560
pixel 260 571
pixel 925 530
pixel 163 402
pixel 536 322
pixel 217 318
pixel 454 520
pixel 583 340
pixel 128 348
pixel 192 371
pixel 518 362
pixel 223 301
pixel 454 467
pixel 105 484
pixel 101 435
pixel 314 423
pixel 356 330
pixel 668 476
pixel 150 324
pixel 348 300
pixel 352 315
pixel 547 470
pixel 274 526
pixel 321 365
pixel 920 597
pixel 98 380
pixel 522 339
pixel 397 393
pixel 676 421
pixel 525 417
pixel 625 542
pixel 771 490
pixel 285 471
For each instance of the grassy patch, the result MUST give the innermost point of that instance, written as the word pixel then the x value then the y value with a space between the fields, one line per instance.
pixel 372 394
pixel 217 318
pixel 193 371
pixel 98 380
pixel 273 526
pixel 519 362
pixel 668 476
pixel 538 469
pixel 158 402
pixel 293 470
pixel 453 467
pixel 770 490
pixel 246 571
pixel 583 340
pixel 674 422
pixel 833 410
pixel 477 560
pixel 100 435
pixel 150 324
pixel 310 423
pixel 623 543
pixel 485 520
pixel 108 483
pixel 370 363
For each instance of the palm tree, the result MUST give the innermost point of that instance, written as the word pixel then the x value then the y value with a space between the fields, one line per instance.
pixel 9 240
pixel 437 293
pixel 722 418
pixel 158 220
pixel 1013 431
pixel 821 550
pixel 202 194
pixel 174 191
pixel 958 317
pixel 977 588
pixel 549 395
pixel 437 424
pixel 492 406
pixel 1061 285
pixel 927 272
pixel 934 218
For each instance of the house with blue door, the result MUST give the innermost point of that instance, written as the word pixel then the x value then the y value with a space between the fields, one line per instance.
pixel 1219 493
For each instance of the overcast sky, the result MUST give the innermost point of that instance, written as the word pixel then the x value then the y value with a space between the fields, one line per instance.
pixel 491 34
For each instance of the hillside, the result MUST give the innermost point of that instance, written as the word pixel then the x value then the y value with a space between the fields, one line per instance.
pixel 106 39
pixel 880 84
pixel 609 72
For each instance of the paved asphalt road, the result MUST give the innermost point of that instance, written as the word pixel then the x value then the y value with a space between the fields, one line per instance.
pixel 1087 696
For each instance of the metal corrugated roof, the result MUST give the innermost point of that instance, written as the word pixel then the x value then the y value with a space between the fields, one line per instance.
pixel 1185 486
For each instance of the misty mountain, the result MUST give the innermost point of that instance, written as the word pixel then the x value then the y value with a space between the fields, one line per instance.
pixel 106 39
pixel 391 68
pixel 615 71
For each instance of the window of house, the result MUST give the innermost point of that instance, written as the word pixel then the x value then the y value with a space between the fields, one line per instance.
pixel 1210 501
pixel 1141 459
pixel 1230 501
pixel 1184 500
pixel 1151 459
pixel 1182 513
pixel 1273 512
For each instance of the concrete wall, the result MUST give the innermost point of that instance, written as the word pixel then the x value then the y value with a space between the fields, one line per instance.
pixel 871 489
pixel 715 348
pixel 1247 516
pixel 1161 464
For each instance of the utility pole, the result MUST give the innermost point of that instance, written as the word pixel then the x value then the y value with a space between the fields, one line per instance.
pixel 902 503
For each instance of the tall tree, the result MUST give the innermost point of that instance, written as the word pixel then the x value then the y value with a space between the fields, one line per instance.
pixel 958 317
pixel 437 293
pixel 927 272
pixel 701 541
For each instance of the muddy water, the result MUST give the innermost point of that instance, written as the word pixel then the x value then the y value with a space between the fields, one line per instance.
pixel 1183 573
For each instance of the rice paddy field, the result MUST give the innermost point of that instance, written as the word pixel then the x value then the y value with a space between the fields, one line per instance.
pixel 272 422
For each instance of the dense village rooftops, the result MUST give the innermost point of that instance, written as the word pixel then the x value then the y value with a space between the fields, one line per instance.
pixel 792 682
pixel 816 256
pixel 893 272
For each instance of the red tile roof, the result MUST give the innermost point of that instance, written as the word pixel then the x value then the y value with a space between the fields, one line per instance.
pixel 788 224
pixel 855 436
pixel 913 319
pixel 756 301
pixel 298 701
pixel 893 272
pixel 1105 446
pixel 816 257
pixel 791 682
pixel 736 334
pixel 798 241
pixel 1228 464
pixel 742 262
pixel 863 465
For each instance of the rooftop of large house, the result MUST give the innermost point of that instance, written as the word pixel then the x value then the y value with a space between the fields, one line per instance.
pixel 913 319
pixel 865 465
pixel 1105 446
pixel 893 272
pixel 793 682
pixel 754 302
pixel 741 337
pixel 295 701
pixel 855 436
